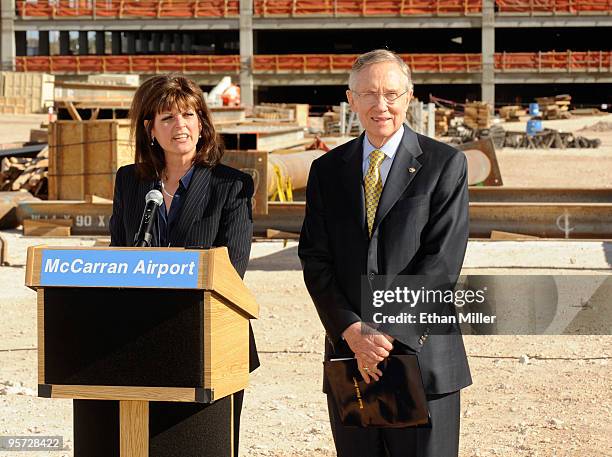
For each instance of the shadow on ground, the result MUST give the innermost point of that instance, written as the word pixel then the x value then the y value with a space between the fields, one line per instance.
pixel 284 260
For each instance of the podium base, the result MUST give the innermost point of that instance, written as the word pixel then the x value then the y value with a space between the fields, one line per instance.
pixel 102 428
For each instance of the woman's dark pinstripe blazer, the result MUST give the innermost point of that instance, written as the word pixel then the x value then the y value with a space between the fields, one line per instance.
pixel 216 211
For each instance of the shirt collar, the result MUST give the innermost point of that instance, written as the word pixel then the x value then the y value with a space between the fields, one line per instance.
pixel 389 148
pixel 186 179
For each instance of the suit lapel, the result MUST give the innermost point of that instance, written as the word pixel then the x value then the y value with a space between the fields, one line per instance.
pixel 351 177
pixel 403 170
pixel 193 207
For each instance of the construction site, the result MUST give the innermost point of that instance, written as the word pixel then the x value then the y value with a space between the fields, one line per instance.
pixel 522 87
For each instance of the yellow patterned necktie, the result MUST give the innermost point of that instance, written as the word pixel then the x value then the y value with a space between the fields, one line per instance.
pixel 373 186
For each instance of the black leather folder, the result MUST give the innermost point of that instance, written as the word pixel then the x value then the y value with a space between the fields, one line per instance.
pixel 396 400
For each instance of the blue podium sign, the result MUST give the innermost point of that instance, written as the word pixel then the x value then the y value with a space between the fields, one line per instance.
pixel 120 268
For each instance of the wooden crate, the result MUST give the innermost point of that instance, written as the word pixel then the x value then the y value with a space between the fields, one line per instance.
pixel 84 157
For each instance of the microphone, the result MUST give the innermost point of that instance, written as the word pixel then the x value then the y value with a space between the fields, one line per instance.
pixel 143 237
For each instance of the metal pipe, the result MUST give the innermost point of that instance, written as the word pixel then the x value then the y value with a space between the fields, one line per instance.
pixel 546 220
pixel 291 166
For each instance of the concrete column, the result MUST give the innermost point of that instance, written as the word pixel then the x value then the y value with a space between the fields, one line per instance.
pixel 488 52
pixel 247 97
pixel 43 43
pixel 100 42
pixel 7 35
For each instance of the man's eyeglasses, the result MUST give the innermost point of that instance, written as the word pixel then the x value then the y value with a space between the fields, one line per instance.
pixel 372 97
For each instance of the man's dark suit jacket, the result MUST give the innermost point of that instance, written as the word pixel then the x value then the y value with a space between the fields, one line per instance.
pixel 216 211
pixel 420 228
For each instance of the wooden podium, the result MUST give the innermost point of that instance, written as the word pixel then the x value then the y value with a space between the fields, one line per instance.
pixel 138 328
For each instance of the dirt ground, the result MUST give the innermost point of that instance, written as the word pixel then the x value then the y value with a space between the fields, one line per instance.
pixel 533 396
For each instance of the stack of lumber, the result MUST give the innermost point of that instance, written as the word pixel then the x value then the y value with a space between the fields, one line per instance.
pixel 556 107
pixel 24 92
pixel 443 117
pixel 24 173
pixel 296 113
pixel 512 113
pixel 273 113
pixel 13 105
pixel 331 121
pixel 587 112
pixel 477 115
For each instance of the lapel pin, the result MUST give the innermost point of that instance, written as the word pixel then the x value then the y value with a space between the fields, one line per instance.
pixel 411 170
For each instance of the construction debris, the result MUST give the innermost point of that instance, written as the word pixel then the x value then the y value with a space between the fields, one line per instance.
pixel 24 173
pixel 556 107
pixel 512 113
pixel 548 138
pixel 477 115
pixel 443 118
pixel 600 126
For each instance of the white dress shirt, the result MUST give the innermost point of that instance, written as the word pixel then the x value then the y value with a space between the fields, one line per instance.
pixel 389 149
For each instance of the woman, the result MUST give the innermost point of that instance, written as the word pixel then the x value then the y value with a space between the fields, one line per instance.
pixel 206 204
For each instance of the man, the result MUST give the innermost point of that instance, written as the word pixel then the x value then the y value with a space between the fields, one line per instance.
pixel 391 202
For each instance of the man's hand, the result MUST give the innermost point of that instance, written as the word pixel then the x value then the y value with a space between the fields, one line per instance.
pixel 369 347
pixel 389 338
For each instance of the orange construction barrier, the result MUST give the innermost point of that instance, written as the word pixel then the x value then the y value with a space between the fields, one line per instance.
pixel 231 8
pixel 352 8
pixel 341 63
pixel 131 64
pixel 568 61
pixel 554 6
pixel 129 8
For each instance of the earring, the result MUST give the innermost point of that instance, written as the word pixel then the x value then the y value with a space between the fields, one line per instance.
pixel 200 136
pixel 152 141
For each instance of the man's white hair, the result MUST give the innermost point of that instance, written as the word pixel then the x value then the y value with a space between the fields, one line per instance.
pixel 378 56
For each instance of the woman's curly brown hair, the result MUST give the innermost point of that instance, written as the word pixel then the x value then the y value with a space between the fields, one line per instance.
pixel 165 93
